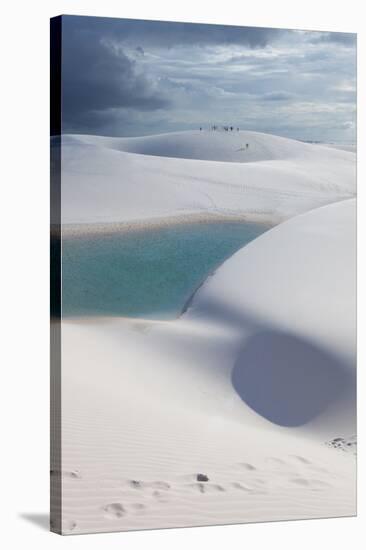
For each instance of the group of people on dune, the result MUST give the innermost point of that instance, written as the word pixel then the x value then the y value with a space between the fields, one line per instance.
pixel 225 128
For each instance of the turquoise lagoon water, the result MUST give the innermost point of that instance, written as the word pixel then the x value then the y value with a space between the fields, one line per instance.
pixel 147 273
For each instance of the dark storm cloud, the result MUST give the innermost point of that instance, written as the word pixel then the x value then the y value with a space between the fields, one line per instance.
pixel 98 77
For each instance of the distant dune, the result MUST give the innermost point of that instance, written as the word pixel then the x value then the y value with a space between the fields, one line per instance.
pixel 116 180
pixel 352 147
pixel 232 146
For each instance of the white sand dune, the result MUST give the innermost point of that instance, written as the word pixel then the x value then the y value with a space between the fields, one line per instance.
pixel 104 180
pixel 292 285
pixel 208 145
pixel 245 388
pixel 343 146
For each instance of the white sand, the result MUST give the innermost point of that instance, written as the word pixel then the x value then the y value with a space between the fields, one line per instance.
pixel 105 181
pixel 149 405
pixel 352 147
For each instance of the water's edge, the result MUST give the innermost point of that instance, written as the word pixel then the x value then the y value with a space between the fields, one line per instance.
pixel 70 230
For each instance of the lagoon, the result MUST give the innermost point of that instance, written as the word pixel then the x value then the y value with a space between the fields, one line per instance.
pixel 149 273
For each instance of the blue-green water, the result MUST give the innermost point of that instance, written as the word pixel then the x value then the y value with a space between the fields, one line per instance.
pixel 148 273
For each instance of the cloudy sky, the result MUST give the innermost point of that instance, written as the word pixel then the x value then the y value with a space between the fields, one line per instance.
pixel 127 77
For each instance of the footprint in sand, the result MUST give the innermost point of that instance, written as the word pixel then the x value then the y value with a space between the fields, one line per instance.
pixel 259 481
pixel 240 486
pixel 301 459
pixel 311 483
pixel 161 485
pixel 143 485
pixel 207 487
pixel 160 497
pixel 247 466
pixel 114 510
pixel 136 484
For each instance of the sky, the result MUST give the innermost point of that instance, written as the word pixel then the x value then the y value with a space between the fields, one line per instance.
pixel 124 77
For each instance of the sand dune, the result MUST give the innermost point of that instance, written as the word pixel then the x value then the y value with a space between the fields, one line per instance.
pixel 298 282
pixel 236 146
pixel 352 147
pixel 104 180
pixel 175 423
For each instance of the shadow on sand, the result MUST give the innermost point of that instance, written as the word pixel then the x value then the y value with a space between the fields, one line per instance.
pixel 287 380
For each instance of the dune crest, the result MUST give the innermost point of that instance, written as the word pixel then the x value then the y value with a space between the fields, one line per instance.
pixel 218 146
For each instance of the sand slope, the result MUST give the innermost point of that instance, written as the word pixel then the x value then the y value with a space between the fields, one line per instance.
pixel 295 288
pixel 117 180
pixel 215 146
pixel 147 406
